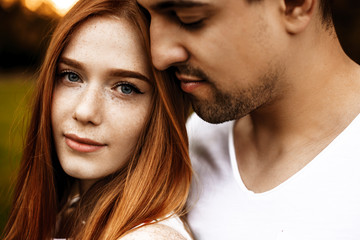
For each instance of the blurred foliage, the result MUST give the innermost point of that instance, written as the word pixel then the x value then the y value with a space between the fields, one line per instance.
pixel 24 36
pixel 14 98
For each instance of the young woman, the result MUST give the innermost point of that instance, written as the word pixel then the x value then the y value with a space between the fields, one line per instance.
pixel 106 150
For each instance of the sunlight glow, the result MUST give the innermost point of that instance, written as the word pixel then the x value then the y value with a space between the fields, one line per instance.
pixel 6 3
pixel 60 6
pixel 32 4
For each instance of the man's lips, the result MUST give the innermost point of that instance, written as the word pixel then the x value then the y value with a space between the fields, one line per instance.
pixel 189 83
pixel 82 144
pixel 187 78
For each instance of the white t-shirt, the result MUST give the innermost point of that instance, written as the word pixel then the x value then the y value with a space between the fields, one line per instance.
pixel 321 201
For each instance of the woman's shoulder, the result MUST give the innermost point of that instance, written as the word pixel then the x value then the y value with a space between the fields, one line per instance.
pixel 172 228
pixel 156 231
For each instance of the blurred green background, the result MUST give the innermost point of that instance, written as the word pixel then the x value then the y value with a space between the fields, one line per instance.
pixel 24 37
pixel 13 100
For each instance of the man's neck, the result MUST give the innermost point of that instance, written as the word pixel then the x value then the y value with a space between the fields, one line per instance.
pixel 277 140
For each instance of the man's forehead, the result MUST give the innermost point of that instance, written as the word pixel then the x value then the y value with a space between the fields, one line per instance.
pixel 158 5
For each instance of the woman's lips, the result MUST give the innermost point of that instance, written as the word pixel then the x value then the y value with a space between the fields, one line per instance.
pixel 84 145
pixel 189 83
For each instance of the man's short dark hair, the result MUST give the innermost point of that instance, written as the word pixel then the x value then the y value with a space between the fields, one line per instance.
pixel 325 6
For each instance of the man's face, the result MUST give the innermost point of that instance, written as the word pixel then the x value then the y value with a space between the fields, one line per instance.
pixel 227 54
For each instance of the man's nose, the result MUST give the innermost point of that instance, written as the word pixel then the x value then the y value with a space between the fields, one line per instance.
pixel 167 48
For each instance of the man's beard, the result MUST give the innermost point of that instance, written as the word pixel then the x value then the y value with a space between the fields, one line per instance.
pixel 230 105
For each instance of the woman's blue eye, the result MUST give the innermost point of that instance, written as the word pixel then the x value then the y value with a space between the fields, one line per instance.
pixel 126 89
pixel 72 77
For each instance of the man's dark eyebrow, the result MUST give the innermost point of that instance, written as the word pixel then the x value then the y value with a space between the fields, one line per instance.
pixel 113 72
pixel 170 4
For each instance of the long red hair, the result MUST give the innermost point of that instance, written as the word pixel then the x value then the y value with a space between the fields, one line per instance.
pixel 153 184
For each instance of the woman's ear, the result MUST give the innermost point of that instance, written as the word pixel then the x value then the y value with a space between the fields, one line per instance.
pixel 297 14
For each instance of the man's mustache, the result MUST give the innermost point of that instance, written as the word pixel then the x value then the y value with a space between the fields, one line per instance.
pixel 189 70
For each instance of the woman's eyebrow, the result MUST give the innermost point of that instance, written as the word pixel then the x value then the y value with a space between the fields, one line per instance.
pixel 128 74
pixel 116 72
pixel 71 62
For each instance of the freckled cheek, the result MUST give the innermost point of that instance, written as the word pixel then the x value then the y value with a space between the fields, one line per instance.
pixel 127 126
pixel 63 102
pixel 57 108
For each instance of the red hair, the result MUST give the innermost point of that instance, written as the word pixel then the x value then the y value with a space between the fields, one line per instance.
pixel 153 184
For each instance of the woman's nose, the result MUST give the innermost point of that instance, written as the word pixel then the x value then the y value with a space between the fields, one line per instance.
pixel 88 109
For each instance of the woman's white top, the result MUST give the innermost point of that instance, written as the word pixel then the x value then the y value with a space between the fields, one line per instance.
pixel 175 225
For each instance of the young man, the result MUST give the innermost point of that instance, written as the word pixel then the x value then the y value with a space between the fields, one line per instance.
pixel 286 162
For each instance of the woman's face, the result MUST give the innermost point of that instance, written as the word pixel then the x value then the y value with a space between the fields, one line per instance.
pixel 101 99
